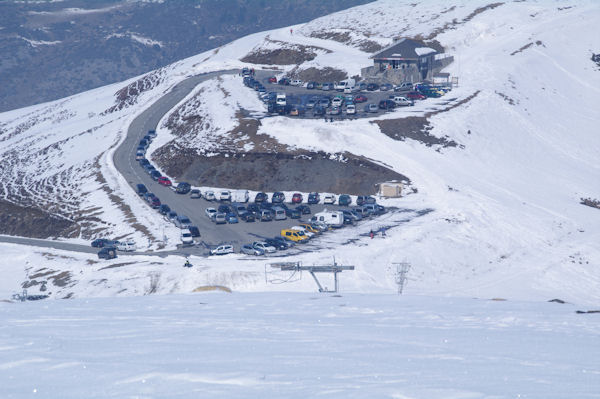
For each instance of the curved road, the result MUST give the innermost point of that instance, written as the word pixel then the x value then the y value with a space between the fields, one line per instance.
pixel 124 159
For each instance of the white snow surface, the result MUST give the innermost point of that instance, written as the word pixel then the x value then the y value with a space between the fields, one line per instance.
pixel 297 346
pixel 506 217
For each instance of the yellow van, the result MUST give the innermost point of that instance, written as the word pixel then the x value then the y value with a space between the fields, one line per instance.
pixel 294 235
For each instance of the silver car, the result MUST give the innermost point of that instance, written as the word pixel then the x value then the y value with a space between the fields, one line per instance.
pixel 250 250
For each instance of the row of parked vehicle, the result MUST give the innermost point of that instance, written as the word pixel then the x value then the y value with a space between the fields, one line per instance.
pixel 323 106
pixel 109 248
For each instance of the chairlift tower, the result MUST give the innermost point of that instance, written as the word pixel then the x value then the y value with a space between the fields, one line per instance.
pixel 402 269
pixel 334 268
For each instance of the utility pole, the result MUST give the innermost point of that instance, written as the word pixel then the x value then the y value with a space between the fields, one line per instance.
pixel 401 272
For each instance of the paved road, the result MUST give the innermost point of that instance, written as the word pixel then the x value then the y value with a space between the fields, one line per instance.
pixel 124 158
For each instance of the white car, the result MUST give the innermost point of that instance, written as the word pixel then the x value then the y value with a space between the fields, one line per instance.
pixel 337 102
pixel 225 195
pixel 350 109
pixel 329 199
pixel 401 101
pixel 127 246
pixel 209 196
pixel 296 82
pixel 210 212
pixel 222 250
pixel 309 234
pixel 186 237
pixel 268 249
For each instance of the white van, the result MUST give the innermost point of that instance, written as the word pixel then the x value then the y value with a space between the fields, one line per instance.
pixel 331 218
pixel 345 84
pixel 280 99
pixel 240 196
pixel 279 213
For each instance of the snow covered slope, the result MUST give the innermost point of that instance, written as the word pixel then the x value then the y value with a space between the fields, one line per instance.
pixel 506 216
pixel 297 346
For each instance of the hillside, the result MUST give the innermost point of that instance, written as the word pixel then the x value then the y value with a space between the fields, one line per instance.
pixel 53 49
pixel 496 214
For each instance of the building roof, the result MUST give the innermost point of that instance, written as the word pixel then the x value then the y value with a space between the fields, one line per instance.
pixel 404 49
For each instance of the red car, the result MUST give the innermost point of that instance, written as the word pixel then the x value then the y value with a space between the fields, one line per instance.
pixel 164 181
pixel 415 95
pixel 297 198
pixel 360 99
pixel 272 79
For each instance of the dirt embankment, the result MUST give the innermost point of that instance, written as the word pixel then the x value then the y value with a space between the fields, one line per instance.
pixel 322 75
pixel 286 171
pixel 288 54
pixel 32 222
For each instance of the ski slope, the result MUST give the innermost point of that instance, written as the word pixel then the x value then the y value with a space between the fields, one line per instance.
pixel 301 345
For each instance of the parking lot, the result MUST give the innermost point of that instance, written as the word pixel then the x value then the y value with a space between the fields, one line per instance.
pixel 299 99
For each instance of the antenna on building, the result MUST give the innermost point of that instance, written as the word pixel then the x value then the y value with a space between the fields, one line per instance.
pixel 402 269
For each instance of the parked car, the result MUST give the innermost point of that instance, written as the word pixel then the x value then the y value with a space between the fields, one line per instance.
pixel 372 87
pixel 219 218
pixel 232 218
pixel 248 217
pixel 350 109
pixel 163 209
pixel 311 85
pixel 266 215
pixel 224 209
pixel 294 235
pixel 195 193
pixel 100 242
pixel 107 253
pixel 183 188
pixel 155 202
pixel 401 101
pixel 335 111
pixel 210 212
pixel 277 197
pixel 324 102
pixel 344 200
pixel 152 133
pixel 362 86
pixel 309 234
pixel 126 246
pixel 360 99
pixel 310 104
pixel 329 199
pixel 313 198
pixel 284 81
pixel 248 249
pixel 415 95
pixel 296 198
pixel 278 242
pixel 372 108
pixel 143 162
pixel 253 209
pixel 387 104
pixel 405 86
pixel 303 209
pixel 139 155
pixel 209 195
pixel 222 250
pixel 225 196
pixel 296 82
pixel 183 222
pixel 272 79
pixel 310 227
pixel 155 175
pixel 266 248
pixel 386 87
pixel 194 231
pixel 165 181
pixel 141 189
pixel 337 101
pixel 260 197
pixel 360 200
pixel 292 213
pixel 171 216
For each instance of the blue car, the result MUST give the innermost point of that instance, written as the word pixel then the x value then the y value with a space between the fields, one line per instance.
pixel 231 218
